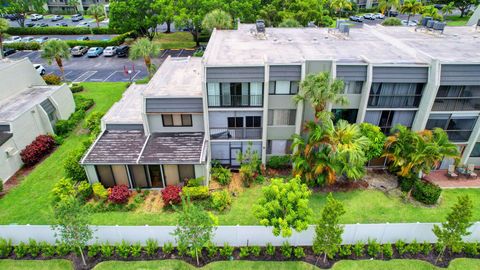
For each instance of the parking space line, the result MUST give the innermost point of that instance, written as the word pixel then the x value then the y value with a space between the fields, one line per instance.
pixel 138 71
pixel 85 76
pixel 180 53
pixel 110 75
pixel 163 54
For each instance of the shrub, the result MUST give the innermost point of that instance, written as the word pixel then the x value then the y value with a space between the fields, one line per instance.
pixel 20 250
pixel 345 250
pixel 247 174
pixel 92 122
pixel 226 251
pixel 5 247
pixel 298 252
pixel 47 249
pixel 83 104
pixel 167 248
pixel 255 251
pixel 84 190
pixel 118 40
pixel 62 127
pixel 279 162
pixel 425 192
pixel 1 185
pixel 94 250
pixel 387 251
pixel 406 183
pixel 392 22
pixel 52 79
pixel 40 147
pixel 401 247
pixel 358 249
pixel 195 193
pixel 63 249
pixel 151 247
pixel 119 194
pixel 107 250
pixel 286 250
pixel 62 189
pixel 244 252
pixel 195 182
pixel 123 249
pixel 471 249
pixel 22 46
pixel 414 247
pixel 182 249
pixel 221 200
pixel 75 88
pixel 99 191
pixel 72 167
pixel 136 250
pixel 222 175
pixel 212 249
pixel 426 248
pixel 373 248
pixel 171 195
pixel 270 249
pixel 33 248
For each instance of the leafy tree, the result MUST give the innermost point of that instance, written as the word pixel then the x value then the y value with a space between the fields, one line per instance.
pixel 146 49
pixel 97 12
pixel 4 25
pixel 19 8
pixel 376 138
pixel 448 9
pixel 270 14
pixel 284 206
pixel 290 23
pixel 137 15
pixel 74 4
pixel 413 152
pixel 195 227
pixel 328 232
pixel 431 11
pixel 218 19
pixel 465 5
pixel 411 7
pixel 71 226
pixel 303 11
pixel 387 5
pixel 165 11
pixel 245 10
pixel 339 5
pixel 56 50
pixel 458 221
pixel 319 90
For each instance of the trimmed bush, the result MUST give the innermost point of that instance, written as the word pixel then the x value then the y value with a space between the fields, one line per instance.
pixel 82 103
pixel 5 247
pixel 171 195
pixel 118 40
pixel 195 192
pixel 279 162
pixel 47 249
pixel 167 248
pixel 99 191
pixel 72 167
pixel 220 200
pixel 298 252
pixel 401 247
pixel 62 189
pixel 94 250
pixel 63 249
pixel 195 182
pixel 226 251
pixel 23 46
pixel 119 194
pixel 286 249
pixel 75 88
pixel 52 79
pixel 406 183
pixel 392 22
pixel 92 122
pixel 151 247
pixel 373 248
pixel 107 250
pixel 358 249
pixel 221 175
pixel 426 192
pixel 21 250
pixel 40 147
pixel 123 249
pixel 345 250
pixel 84 190
pixel 33 248
pixel 387 251
pixel 270 249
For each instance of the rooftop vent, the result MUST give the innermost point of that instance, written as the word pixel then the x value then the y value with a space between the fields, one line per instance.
pixel 260 24
pixel 344 29
pixel 430 23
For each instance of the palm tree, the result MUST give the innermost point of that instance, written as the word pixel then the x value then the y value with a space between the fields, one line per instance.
pixel 146 49
pixel 339 5
pixel 4 25
pixel 387 5
pixel 431 11
pixel 217 19
pixel 56 50
pixel 97 12
pixel 74 4
pixel 319 89
pixel 411 7
pixel 448 9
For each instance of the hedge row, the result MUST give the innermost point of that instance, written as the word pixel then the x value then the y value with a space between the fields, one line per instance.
pixel 60 30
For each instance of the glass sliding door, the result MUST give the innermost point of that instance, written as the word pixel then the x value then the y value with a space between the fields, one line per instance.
pixel 120 175
pixel 171 174
pixel 155 176
pixel 105 175
pixel 138 176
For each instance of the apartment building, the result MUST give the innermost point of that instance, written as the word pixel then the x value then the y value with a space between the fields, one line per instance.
pixel 240 95
pixel 64 6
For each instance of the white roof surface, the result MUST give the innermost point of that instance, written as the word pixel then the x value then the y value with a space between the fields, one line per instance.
pixel 128 110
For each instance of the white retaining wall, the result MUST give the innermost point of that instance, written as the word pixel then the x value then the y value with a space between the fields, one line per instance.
pixel 240 235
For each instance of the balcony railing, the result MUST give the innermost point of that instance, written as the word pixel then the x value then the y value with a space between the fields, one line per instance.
pixel 456 104
pixel 235 100
pixel 394 101
pixel 459 135
pixel 224 133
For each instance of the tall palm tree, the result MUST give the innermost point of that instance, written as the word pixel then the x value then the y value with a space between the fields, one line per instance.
pixel 97 11
pixel 411 7
pixel 56 50
pixel 339 5
pixel 146 49
pixel 4 25
pixel 387 5
pixel 320 89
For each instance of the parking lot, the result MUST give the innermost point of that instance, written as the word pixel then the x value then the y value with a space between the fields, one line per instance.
pixel 100 69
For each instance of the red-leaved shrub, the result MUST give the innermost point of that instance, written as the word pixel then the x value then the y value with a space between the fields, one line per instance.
pixel 119 194
pixel 40 147
pixel 171 195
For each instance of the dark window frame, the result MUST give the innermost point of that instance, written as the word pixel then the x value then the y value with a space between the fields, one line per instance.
pixel 232 104
pixel 181 119
pixel 290 92
pixel 475 154
pixel 375 99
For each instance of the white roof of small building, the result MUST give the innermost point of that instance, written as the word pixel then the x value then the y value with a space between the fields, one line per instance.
pixel 128 110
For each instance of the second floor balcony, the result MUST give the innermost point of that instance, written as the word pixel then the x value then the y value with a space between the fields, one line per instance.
pixel 237 133
pixel 235 100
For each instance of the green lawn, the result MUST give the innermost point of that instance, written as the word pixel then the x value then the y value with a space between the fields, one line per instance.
pixel 30 201
pixel 37 265
pixel 457 20
pixel 177 40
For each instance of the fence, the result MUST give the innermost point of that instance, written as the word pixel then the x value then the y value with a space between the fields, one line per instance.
pixel 241 235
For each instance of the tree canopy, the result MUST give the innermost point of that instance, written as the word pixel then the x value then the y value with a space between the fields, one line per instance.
pixel 137 15
pixel 218 19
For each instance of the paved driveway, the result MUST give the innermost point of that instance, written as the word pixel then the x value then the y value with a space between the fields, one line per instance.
pixel 100 69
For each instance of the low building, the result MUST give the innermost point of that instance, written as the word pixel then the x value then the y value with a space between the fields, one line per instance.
pixel 64 7
pixel 28 108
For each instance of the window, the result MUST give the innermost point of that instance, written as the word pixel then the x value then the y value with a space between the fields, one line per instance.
pixel 279 147
pixel 177 120
pixel 457 98
pixel 458 127
pixel 235 94
pixel 138 176
pixel 253 121
pixel 476 150
pixel 155 176
pixel 283 87
pixel 112 175
pixel 282 117
pixel 388 119
pixel 349 115
pixel 353 87
pixel 235 122
pixel 395 95
pixel 186 171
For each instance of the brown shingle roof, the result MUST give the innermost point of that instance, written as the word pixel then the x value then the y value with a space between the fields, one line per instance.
pixel 173 148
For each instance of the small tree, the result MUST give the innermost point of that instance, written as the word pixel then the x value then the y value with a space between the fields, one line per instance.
pixel 97 11
pixel 290 23
pixel 56 50
pixel 4 25
pixel 218 19
pixel 195 227
pixel 146 49
pixel 448 9
pixel 411 7
pixel 71 225
pixel 376 138
pixel 328 233
pixel 284 205
pixel 458 221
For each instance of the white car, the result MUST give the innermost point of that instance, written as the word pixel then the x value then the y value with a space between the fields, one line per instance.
pixel 28 39
pixel 83 24
pixel 36 17
pixel 410 23
pixel 110 51
pixel 40 69
pixel 13 39
pixel 380 16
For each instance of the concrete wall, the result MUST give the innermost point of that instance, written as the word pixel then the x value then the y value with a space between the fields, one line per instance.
pixel 218 119
pixel 17 76
pixel 280 132
pixel 9 164
pixel 155 124
pixel 63 101
pixel 281 102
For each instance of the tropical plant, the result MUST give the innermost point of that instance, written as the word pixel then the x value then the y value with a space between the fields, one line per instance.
pixel 448 9
pixel 319 90
pixel 387 5
pixel 217 19
pixel 56 50
pixel 4 25
pixel 339 5
pixel 146 49
pixel 97 11
pixel 431 11
pixel 376 140
pixel 411 7
pixel 289 23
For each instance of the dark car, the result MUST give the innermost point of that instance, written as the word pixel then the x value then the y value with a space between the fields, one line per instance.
pixel 30 24
pixel 57 18
pixel 392 13
pixel 356 19
pixel 43 24
pixel 8 51
pixel 122 51
pixel 64 24
pixel 83 38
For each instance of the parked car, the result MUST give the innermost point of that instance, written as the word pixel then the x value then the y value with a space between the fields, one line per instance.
pixel 13 17
pixel 57 18
pixel 95 51
pixel 43 24
pixel 41 39
pixel 79 50
pixel 83 38
pixel 369 16
pixel 380 16
pixel 40 69
pixel 30 24
pixel 410 23
pixel 28 39
pixel 13 39
pixel 77 17
pixel 8 51
pixel 64 24
pixel 122 51
pixel 356 19
pixel 392 13
pixel 110 51
pixel 83 24
pixel 36 17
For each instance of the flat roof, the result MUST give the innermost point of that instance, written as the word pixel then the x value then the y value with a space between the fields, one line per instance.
pixel 177 77
pixel 375 44
pixel 16 105
pixel 128 110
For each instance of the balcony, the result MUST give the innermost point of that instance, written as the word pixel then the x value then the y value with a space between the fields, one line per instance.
pixel 224 133
pixel 456 104
pixel 222 101
pixel 459 135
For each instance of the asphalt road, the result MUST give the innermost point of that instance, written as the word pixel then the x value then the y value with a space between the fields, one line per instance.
pixel 100 69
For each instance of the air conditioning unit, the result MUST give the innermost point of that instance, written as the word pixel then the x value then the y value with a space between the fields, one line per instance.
pixel 10 151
